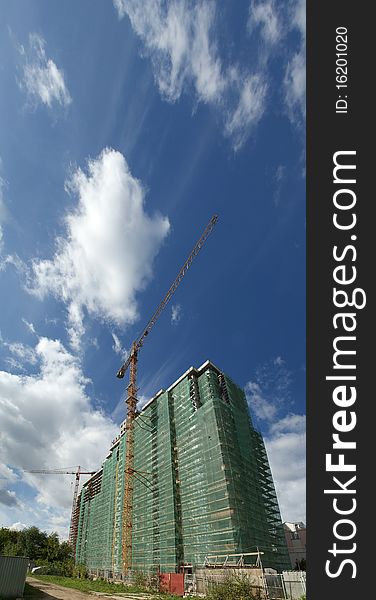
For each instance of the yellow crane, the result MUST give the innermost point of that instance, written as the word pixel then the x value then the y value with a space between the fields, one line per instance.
pixel 131 401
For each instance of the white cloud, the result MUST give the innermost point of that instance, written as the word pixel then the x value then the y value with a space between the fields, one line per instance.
pixel 299 16
pixel 121 7
pixel 262 407
pixel 270 390
pixel 47 421
pixel 285 446
pixel 249 110
pixel 30 326
pixel 183 43
pixel 269 399
pixel 141 401
pixel 280 176
pixel 291 423
pixel 42 79
pixel 181 40
pixel 175 314
pixel 118 347
pixel 177 36
pixel 8 498
pixel 23 352
pixel 107 254
pixel 18 526
pixel 265 16
pixel 10 259
pixel 295 86
pixel 295 75
pixel 7 476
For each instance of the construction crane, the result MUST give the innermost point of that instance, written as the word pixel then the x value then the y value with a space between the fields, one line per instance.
pixel 131 401
pixel 77 473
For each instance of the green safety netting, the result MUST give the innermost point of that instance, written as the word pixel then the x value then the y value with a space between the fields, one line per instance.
pixel 202 485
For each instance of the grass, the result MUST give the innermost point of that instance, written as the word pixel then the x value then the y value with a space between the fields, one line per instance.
pixel 86 585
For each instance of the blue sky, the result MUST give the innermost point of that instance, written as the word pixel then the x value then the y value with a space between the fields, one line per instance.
pixel 124 127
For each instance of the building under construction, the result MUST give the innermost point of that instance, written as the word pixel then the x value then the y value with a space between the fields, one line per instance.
pixel 202 485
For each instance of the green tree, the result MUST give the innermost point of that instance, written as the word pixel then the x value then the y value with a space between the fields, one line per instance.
pixel 65 552
pixel 41 548
pixel 34 543
pixel 8 539
pixel 53 547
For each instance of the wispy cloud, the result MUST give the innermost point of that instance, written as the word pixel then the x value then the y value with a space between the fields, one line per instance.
pixel 269 392
pixel 42 80
pixel 295 87
pixel 295 75
pixel 107 253
pixel 118 347
pixel 249 109
pixel 29 326
pixel 265 16
pixel 275 22
pixel 280 175
pixel 182 42
pixel 175 314
pixel 263 407
pixel 21 354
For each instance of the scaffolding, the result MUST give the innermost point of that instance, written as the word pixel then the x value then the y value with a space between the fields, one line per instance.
pixel 201 484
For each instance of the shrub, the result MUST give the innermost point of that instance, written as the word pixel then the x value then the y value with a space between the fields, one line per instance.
pixel 80 571
pixel 233 588
pixel 61 568
pixel 139 579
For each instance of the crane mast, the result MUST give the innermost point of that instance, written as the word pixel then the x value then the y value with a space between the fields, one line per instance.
pixel 131 401
pixel 77 473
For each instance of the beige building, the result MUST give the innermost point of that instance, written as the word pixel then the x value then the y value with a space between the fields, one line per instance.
pixel 295 534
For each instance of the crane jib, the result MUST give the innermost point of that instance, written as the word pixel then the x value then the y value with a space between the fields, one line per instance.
pixel 138 344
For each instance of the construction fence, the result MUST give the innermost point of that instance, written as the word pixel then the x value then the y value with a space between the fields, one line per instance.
pixel 289 585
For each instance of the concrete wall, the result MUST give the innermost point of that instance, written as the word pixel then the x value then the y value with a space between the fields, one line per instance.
pixel 205 577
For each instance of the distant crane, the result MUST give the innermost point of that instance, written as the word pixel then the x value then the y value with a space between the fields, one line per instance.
pixel 77 473
pixel 131 401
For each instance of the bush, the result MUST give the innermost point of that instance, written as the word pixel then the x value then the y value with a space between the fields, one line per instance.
pixel 80 571
pixel 139 579
pixel 61 568
pixel 153 581
pixel 233 588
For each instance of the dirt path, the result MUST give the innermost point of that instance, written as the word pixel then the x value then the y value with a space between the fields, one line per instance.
pixel 50 591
